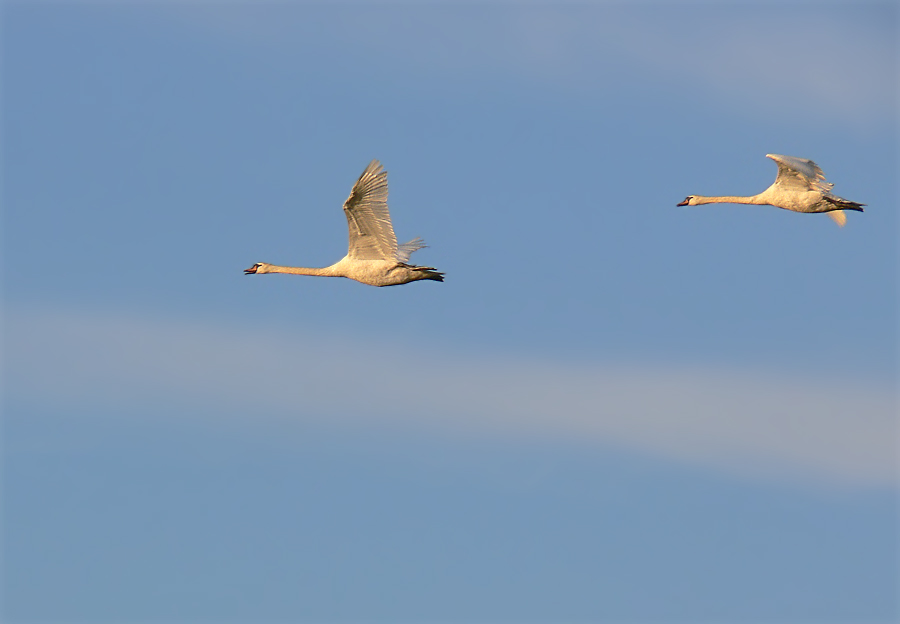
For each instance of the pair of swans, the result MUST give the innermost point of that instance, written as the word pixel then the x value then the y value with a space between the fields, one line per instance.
pixel 375 258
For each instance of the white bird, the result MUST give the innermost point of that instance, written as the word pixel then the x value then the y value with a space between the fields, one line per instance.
pixel 374 257
pixel 800 186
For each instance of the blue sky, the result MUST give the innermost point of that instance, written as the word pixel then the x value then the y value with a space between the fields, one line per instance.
pixel 614 409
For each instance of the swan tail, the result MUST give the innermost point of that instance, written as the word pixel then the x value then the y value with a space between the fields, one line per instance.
pixel 839 205
pixel 427 273
pixel 845 204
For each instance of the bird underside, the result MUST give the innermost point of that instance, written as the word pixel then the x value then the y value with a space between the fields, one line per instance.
pixel 383 273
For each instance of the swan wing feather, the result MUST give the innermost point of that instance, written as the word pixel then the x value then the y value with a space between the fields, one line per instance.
pixel 838 216
pixel 368 220
pixel 800 173
pixel 405 250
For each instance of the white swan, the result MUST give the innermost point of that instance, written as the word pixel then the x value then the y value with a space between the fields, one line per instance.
pixel 800 186
pixel 373 257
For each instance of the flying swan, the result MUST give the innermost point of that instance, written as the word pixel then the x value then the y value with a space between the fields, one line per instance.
pixel 800 186
pixel 374 257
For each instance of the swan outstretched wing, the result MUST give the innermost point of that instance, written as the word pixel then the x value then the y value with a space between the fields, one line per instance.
pixel 800 173
pixel 371 233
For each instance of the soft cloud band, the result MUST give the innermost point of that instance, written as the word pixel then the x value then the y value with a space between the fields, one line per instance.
pixel 831 430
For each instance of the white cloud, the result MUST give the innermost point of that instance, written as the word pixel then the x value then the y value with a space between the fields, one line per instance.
pixel 830 430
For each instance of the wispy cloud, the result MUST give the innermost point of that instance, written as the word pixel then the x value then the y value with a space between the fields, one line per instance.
pixel 829 430
pixel 807 61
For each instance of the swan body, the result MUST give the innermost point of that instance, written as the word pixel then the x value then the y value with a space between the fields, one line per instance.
pixel 373 256
pixel 799 186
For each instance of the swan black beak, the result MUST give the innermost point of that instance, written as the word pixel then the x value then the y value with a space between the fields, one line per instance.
pixel 684 203
pixel 251 270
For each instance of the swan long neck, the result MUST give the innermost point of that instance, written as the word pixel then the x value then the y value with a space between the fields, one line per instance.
pixel 729 199
pixel 325 272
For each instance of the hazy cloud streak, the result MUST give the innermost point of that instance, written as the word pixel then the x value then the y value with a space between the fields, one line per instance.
pixel 782 60
pixel 752 422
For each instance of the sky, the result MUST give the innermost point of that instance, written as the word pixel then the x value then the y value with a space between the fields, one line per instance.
pixel 614 409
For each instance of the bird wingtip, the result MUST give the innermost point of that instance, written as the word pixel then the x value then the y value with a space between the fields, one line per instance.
pixel 838 217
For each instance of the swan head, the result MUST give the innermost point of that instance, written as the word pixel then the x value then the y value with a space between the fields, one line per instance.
pixel 690 200
pixel 259 267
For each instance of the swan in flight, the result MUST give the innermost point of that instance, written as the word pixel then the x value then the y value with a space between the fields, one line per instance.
pixel 800 186
pixel 374 257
